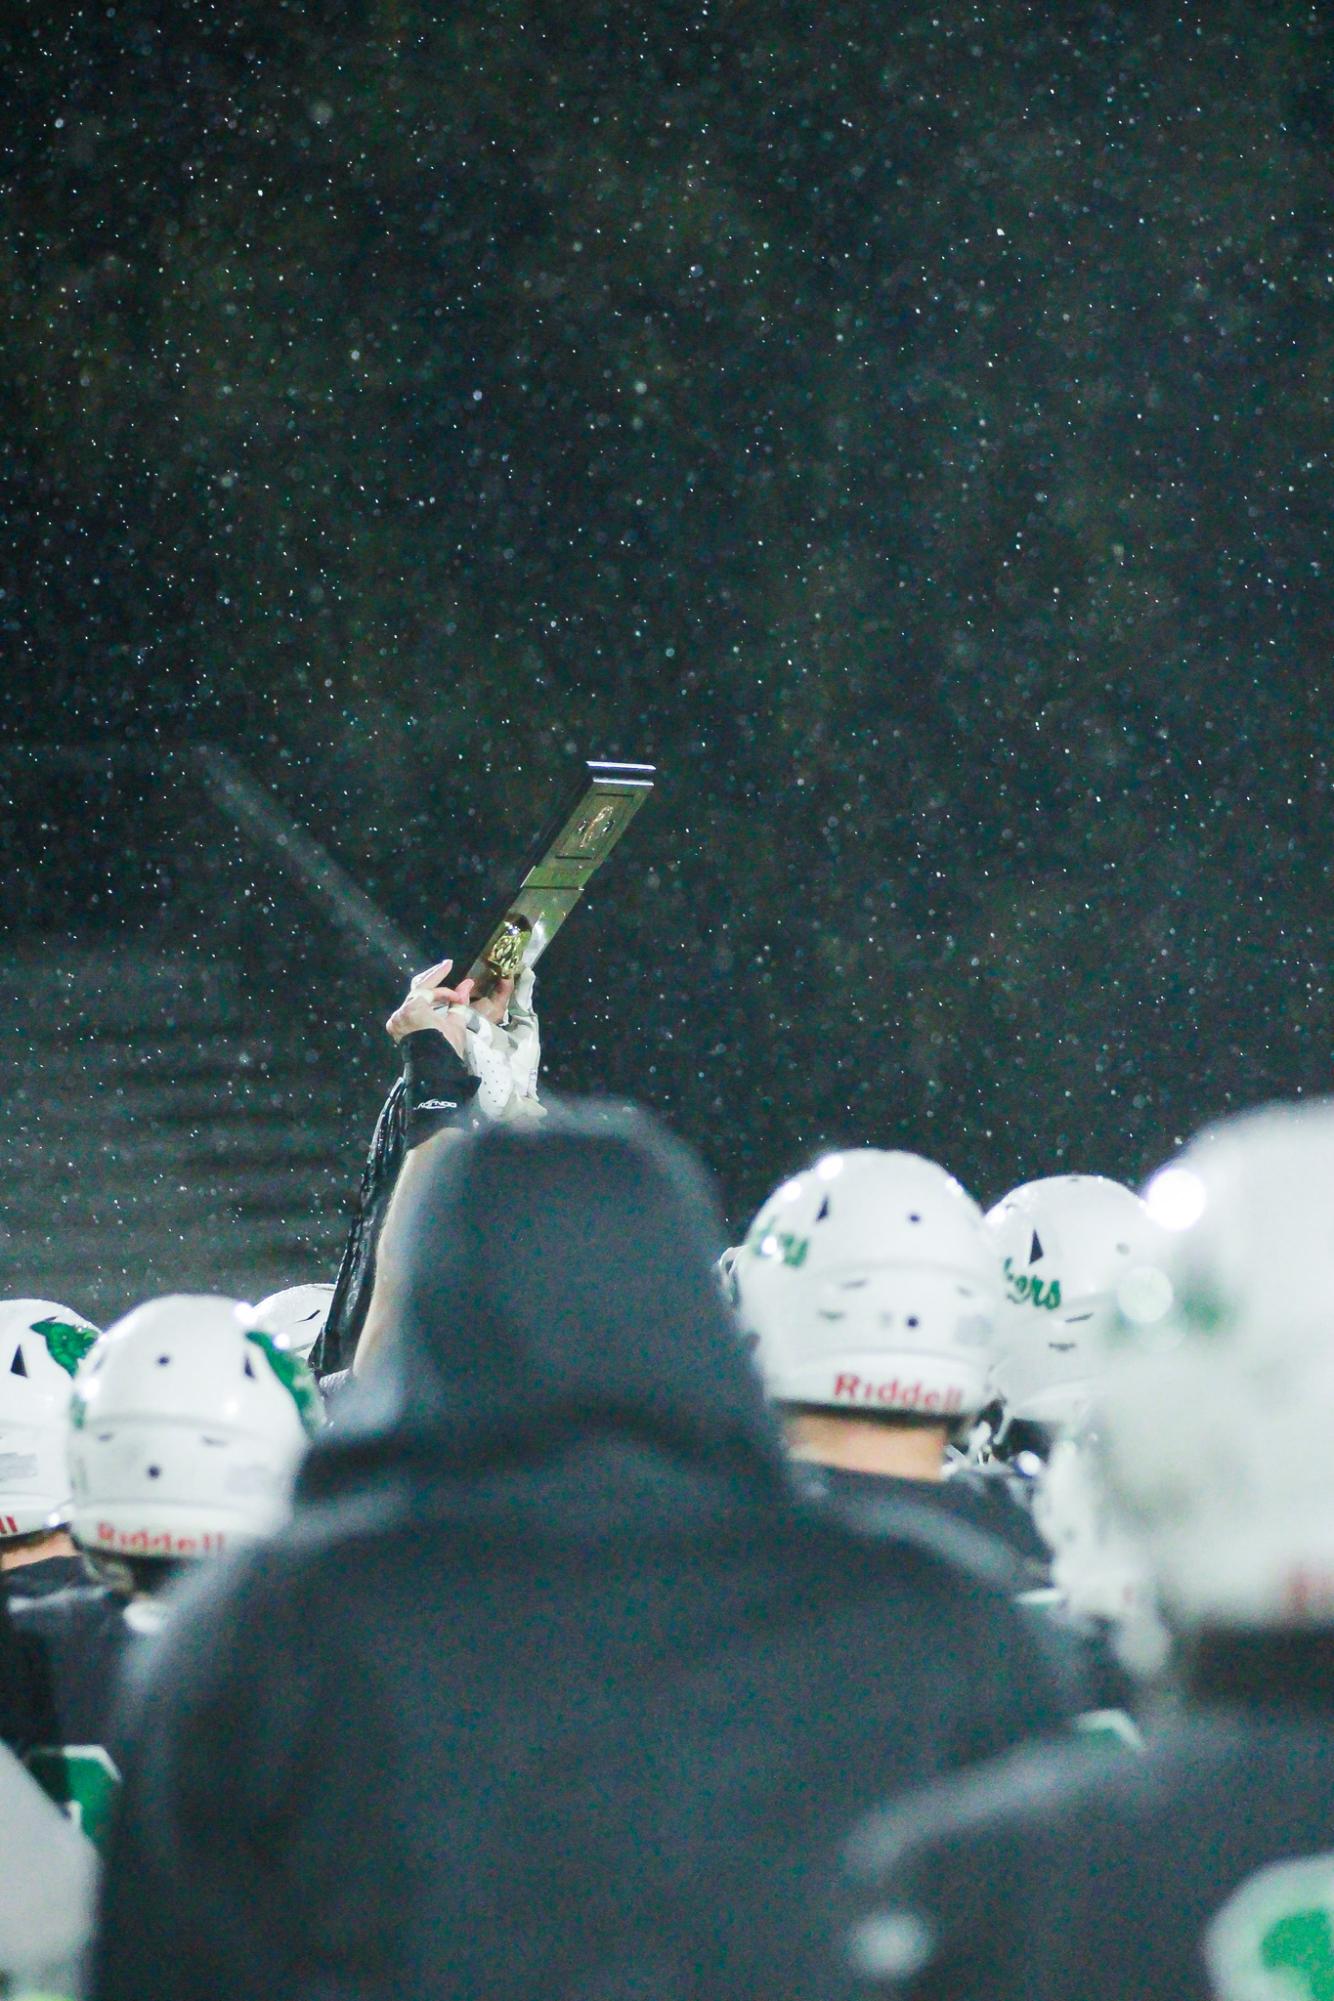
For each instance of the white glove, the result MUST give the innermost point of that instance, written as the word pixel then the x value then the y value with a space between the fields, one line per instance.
pixel 505 1060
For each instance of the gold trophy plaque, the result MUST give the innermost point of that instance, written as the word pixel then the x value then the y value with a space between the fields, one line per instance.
pixel 575 845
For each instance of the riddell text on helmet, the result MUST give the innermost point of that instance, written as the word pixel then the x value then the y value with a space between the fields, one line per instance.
pixel 899 1396
pixel 141 1543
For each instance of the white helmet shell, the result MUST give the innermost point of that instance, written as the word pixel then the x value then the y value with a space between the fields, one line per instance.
pixel 295 1317
pixel 186 1427
pixel 1096 1566
pixel 870 1283
pixel 41 1345
pixel 1071 1247
pixel 1217 1419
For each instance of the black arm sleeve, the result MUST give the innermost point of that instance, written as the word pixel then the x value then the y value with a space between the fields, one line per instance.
pixel 433 1092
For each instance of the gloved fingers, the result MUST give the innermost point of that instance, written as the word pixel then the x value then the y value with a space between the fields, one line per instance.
pixel 426 1000
pixel 432 977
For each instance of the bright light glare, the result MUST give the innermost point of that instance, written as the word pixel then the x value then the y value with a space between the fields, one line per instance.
pixel 1176 1198
pixel 831 1165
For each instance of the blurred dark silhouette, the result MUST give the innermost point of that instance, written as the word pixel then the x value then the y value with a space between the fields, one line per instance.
pixel 554 1686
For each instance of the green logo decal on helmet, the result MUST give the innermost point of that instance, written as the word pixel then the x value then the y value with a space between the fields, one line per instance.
pixel 1301 1945
pixel 295 1378
pixel 67 1341
pixel 1020 1286
pixel 769 1242
pixel 1274 1938
pixel 82 1779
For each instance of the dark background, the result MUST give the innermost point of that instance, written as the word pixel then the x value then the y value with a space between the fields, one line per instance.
pixel 909 425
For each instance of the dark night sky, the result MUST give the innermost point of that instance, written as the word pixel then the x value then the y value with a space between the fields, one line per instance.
pixel 910 425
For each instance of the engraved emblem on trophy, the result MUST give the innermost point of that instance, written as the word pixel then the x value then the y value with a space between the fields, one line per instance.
pixel 574 848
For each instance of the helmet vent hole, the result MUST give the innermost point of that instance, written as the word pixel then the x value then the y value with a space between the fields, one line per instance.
pixel 913 1320
pixel 18 1367
pixel 164 1361
pixel 914 1216
pixel 248 1368
pixel 155 1472
pixel 1035 1250
pixel 822 1211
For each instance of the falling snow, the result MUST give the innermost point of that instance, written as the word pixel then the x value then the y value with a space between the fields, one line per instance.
pixel 907 426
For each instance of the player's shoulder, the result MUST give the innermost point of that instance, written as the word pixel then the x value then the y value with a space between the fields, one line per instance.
pixel 1029 1797
pixel 999 1501
pixel 78 1608
pixel 40 1580
pixel 909 1524
pixel 1045 1810
pixel 945 1884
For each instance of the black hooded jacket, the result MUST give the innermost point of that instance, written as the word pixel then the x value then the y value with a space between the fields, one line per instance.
pixel 554 1686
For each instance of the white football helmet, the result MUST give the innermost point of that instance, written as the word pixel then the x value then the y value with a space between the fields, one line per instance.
pixel 1217 1419
pixel 186 1426
pixel 41 1345
pixel 1071 1246
pixel 1096 1566
pixel 295 1317
pixel 870 1283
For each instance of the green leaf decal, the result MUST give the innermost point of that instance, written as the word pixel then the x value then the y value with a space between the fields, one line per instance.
pixel 1273 1940
pixel 81 1779
pixel 67 1341
pixel 295 1378
pixel 1302 1944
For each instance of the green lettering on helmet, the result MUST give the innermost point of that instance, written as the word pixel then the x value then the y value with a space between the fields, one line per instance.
pixel 785 1244
pixel 295 1378
pixel 760 1228
pixel 1021 1286
pixel 67 1341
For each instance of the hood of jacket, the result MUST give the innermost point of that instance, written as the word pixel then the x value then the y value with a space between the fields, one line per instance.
pixel 563 1355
